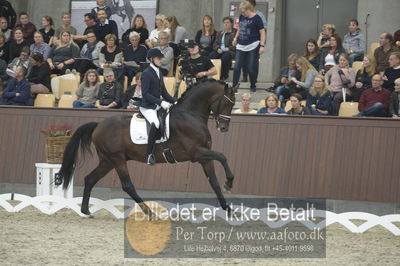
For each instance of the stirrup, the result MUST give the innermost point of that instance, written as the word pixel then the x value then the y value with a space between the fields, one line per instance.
pixel 150 159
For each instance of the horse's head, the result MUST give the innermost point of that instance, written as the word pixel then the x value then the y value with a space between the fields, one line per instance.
pixel 222 108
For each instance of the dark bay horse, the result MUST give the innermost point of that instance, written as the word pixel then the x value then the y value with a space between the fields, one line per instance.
pixel 190 140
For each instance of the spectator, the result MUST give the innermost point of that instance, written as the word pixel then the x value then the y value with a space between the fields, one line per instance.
pixel 132 94
pixel 88 90
pixel 263 18
pixel 111 57
pixel 22 60
pixel 297 108
pixel 383 52
pixel 4 28
pixel 364 76
pixel 27 27
pixel 15 46
pixel 101 4
pixel 312 53
pixel 324 38
pixel 39 76
pixel 319 99
pixel 178 33
pixel 284 83
pixel 4 50
pixel 245 109
pixel 354 43
pixel 308 74
pixel 330 56
pixel 206 36
pixel 40 46
pixel 65 27
pixel 223 48
pixel 374 101
pixel 396 39
pixel 394 107
pixel 393 72
pixel 110 92
pixel 62 56
pixel 138 25
pixel 18 90
pixel 90 22
pixel 340 78
pixel 271 106
pixel 160 26
pixel 90 54
pixel 4 77
pixel 134 55
pixel 249 42
pixel 48 28
pixel 105 26
pixel 7 11
pixel 166 50
pixel 265 23
pixel 202 65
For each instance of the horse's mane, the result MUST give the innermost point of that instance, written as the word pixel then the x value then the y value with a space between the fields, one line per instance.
pixel 193 88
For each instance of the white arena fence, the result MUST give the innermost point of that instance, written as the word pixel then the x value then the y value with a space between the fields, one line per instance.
pixel 51 204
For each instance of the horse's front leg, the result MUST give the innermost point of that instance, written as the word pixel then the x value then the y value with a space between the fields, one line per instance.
pixel 208 167
pixel 213 155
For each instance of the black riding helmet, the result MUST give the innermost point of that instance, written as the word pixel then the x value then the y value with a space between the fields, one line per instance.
pixel 154 52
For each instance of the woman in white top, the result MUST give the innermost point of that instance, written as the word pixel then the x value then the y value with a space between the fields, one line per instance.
pixel 245 109
pixel 178 33
pixel 160 27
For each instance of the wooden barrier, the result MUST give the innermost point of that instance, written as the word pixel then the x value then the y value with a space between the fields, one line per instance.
pixel 327 157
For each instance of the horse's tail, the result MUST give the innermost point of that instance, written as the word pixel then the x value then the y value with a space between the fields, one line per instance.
pixel 82 137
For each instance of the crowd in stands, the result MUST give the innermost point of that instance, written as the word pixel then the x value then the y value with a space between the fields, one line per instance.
pixel 33 59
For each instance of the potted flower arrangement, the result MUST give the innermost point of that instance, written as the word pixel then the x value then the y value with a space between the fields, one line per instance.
pixel 57 138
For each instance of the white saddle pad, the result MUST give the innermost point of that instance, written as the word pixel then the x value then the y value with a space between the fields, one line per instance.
pixel 138 130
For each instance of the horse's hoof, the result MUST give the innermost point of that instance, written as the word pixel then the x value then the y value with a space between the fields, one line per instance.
pixel 227 188
pixel 86 212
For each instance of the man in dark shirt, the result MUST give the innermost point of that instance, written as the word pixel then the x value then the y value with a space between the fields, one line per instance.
pixel 374 101
pixel 200 66
pixel 104 26
pixel 383 52
pixel 28 28
pixel 18 90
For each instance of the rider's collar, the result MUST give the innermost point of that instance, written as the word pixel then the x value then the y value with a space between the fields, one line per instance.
pixel 157 69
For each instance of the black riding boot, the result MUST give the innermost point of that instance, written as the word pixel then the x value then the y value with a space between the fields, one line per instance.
pixel 150 146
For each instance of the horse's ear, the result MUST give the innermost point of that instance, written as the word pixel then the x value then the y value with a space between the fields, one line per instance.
pixel 235 89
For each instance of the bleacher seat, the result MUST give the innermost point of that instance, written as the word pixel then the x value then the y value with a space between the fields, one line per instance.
pixel 101 78
pixel 68 86
pixel 372 48
pixel 217 63
pixel 45 100
pixel 348 109
pixel 171 69
pixel 66 101
pixel 182 88
pixel 170 85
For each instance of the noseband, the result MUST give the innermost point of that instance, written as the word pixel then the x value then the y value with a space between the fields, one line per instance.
pixel 217 116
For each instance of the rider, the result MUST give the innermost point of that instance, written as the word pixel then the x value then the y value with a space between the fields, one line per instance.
pixel 154 97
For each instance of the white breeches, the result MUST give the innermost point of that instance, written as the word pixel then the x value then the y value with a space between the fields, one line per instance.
pixel 151 115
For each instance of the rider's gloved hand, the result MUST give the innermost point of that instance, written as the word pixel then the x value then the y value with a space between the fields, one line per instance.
pixel 165 105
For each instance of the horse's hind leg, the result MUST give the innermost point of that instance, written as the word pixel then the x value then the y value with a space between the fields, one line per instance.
pixel 128 187
pixel 90 180
pixel 208 167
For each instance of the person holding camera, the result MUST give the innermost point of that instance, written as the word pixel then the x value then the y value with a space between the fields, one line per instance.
pixel 154 97
pixel 198 66
pixel 341 79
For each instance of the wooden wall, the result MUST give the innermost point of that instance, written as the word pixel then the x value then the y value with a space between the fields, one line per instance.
pixel 335 158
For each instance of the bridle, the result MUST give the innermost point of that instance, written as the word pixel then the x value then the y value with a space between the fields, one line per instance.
pixel 217 116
